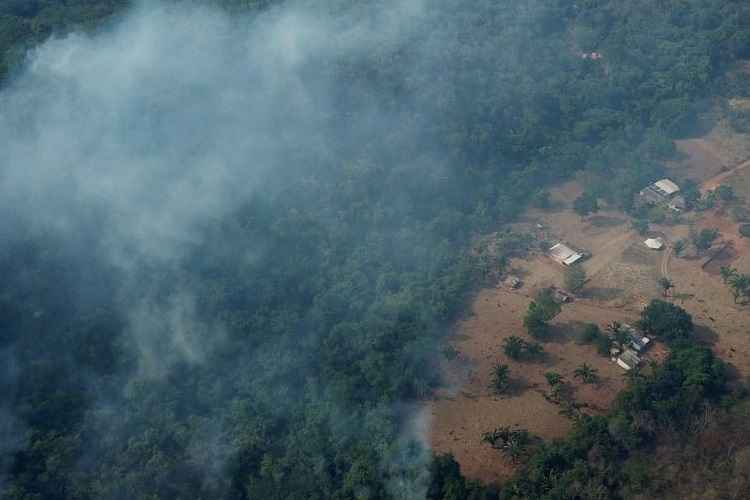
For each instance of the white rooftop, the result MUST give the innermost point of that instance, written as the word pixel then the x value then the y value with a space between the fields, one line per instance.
pixel 667 186
pixel 654 243
pixel 564 254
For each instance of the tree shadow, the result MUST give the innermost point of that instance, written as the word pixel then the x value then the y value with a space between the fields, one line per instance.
pixel 562 333
pixel 705 335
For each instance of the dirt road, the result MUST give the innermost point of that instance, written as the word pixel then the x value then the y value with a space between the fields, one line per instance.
pixel 665 260
pixel 716 180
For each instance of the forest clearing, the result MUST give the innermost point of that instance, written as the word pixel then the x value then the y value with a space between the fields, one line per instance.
pixel 622 277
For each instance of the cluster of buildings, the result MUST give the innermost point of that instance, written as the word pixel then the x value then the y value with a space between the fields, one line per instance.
pixel 628 355
pixel 662 192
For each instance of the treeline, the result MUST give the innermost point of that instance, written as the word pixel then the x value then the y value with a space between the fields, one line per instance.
pixel 337 319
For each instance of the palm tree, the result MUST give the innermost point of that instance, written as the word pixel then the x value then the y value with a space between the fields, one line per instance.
pixel 727 273
pixel 500 378
pixel 740 285
pixel 554 379
pixel 586 373
pixel 619 334
pixel 665 284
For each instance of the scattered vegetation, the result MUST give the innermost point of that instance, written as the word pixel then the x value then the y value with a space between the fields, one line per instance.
pixel 500 382
pixel 574 278
pixel 587 374
pixel 738 283
pixel 541 310
pixel 518 349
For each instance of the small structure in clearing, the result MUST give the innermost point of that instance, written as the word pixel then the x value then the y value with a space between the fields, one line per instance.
pixel 561 296
pixel 662 191
pixel 563 254
pixel 514 282
pixel 628 360
pixel 654 243
pixel 636 344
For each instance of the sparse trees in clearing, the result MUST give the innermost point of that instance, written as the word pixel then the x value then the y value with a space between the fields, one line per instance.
pixel 703 239
pixel 500 382
pixel 586 373
pixel 554 379
pixel 585 204
pixel 727 273
pixel 512 442
pixel 666 285
pixel 574 278
pixel 513 347
pixel 519 350
pixel 540 311
pixel 738 283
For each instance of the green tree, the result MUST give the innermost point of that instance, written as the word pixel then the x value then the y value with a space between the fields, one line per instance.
pixel 585 204
pixel 725 193
pixel 740 286
pixel 727 273
pixel 513 347
pixel 553 379
pixel 586 373
pixel 704 239
pixel 666 320
pixel 665 284
pixel 500 381
pixel 574 278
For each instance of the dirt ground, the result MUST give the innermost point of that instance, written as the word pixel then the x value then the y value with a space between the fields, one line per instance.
pixel 460 414
pixel 622 278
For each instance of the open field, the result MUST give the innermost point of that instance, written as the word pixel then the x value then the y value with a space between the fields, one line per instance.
pixel 461 414
pixel 622 278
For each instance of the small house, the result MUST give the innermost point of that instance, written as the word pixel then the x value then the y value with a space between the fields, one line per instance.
pixel 628 360
pixel 661 191
pixel 654 243
pixel 564 255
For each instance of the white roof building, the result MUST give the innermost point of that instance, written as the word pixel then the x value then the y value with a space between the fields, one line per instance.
pixel 654 243
pixel 667 186
pixel 564 255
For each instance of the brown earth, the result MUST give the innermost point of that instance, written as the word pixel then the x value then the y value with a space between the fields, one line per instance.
pixel 462 413
pixel 622 278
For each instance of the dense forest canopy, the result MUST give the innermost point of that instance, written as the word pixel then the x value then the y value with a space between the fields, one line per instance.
pixel 235 231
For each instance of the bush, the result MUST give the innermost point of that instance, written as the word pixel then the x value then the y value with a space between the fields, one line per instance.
pixel 745 230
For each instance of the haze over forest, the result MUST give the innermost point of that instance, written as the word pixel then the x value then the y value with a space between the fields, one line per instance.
pixel 236 233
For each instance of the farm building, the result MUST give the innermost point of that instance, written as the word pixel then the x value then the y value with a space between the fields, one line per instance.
pixel 628 360
pixel 563 254
pixel 661 191
pixel 654 243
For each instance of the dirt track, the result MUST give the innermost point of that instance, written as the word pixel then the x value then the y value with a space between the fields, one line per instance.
pixel 716 180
